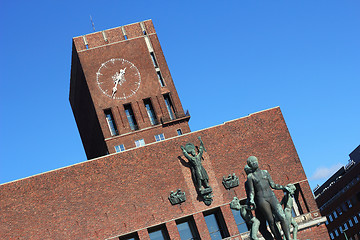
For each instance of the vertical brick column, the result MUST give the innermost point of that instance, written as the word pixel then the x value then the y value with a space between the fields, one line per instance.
pixel 172 230
pixel 229 220
pixel 201 226
pixel 143 234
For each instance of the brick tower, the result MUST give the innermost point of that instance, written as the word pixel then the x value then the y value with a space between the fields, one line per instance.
pixel 121 91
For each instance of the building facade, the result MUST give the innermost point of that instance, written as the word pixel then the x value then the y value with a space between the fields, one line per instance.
pixel 339 200
pixel 137 183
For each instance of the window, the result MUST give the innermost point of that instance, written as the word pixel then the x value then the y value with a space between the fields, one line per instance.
pixel 330 218
pixel 336 233
pixel 159 137
pixel 335 215
pixel 150 111
pixel 355 219
pixel 216 225
pixel 111 123
pixel 327 222
pixel 345 227
pixel 349 204
pixel 339 210
pixel 153 59
pixel 130 116
pixel 140 143
pixel 340 228
pixel 132 236
pixel 350 223
pixel 240 222
pixel 169 106
pixel 159 233
pixel 332 235
pixel 161 80
pixel 120 148
pixel 187 229
pixel 179 132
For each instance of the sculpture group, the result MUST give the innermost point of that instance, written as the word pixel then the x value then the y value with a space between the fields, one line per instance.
pixel 262 199
pixel 260 196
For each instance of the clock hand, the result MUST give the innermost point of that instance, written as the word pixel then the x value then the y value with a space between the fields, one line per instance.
pixel 119 78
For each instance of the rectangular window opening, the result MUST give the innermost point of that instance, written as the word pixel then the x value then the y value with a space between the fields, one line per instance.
pixel 169 106
pixel 120 148
pixel 131 236
pixel 179 132
pixel 153 59
pixel 216 225
pixel 139 143
pixel 125 36
pixel 240 222
pixel 150 111
pixel 159 233
pixel 187 229
pixel 87 46
pixel 161 80
pixel 131 117
pixel 159 137
pixel 111 122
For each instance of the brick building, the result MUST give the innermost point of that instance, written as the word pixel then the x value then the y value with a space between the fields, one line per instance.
pixel 339 200
pixel 132 125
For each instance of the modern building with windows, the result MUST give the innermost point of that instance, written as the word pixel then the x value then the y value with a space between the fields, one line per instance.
pixel 136 183
pixel 339 200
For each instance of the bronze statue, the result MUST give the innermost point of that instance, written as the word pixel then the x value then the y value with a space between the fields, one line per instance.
pixel 288 202
pixel 252 222
pixel 262 197
pixel 198 172
pixel 197 169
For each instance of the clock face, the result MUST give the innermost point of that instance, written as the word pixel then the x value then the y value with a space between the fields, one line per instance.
pixel 118 78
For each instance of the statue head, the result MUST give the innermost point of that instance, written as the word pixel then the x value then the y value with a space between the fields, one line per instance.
pixel 252 161
pixel 190 149
pixel 247 169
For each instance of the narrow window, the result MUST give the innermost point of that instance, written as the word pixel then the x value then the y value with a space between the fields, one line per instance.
pixel 187 229
pixel 336 233
pixel 159 233
pixel 330 218
pixel 132 236
pixel 216 226
pixel 179 132
pixel 130 116
pixel 120 148
pixel 140 143
pixel 159 137
pixel 355 219
pixel 350 223
pixel 332 235
pixel 339 211
pixel 169 106
pixel 150 111
pixel 161 80
pixel 111 122
pixel 327 222
pixel 340 228
pixel 240 222
pixel 349 204
pixel 335 215
pixel 153 59
pixel 125 36
pixel 345 227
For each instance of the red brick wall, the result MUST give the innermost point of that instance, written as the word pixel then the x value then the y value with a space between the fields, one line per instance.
pixel 135 50
pixel 125 192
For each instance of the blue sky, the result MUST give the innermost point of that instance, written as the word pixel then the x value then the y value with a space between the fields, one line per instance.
pixel 239 56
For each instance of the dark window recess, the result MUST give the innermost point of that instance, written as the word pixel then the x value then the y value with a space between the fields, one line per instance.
pixel 159 233
pixel 169 106
pixel 187 229
pixel 132 236
pixel 150 111
pixel 240 222
pixel 161 80
pixel 216 225
pixel 111 122
pixel 131 117
pixel 153 59
pixel 179 132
